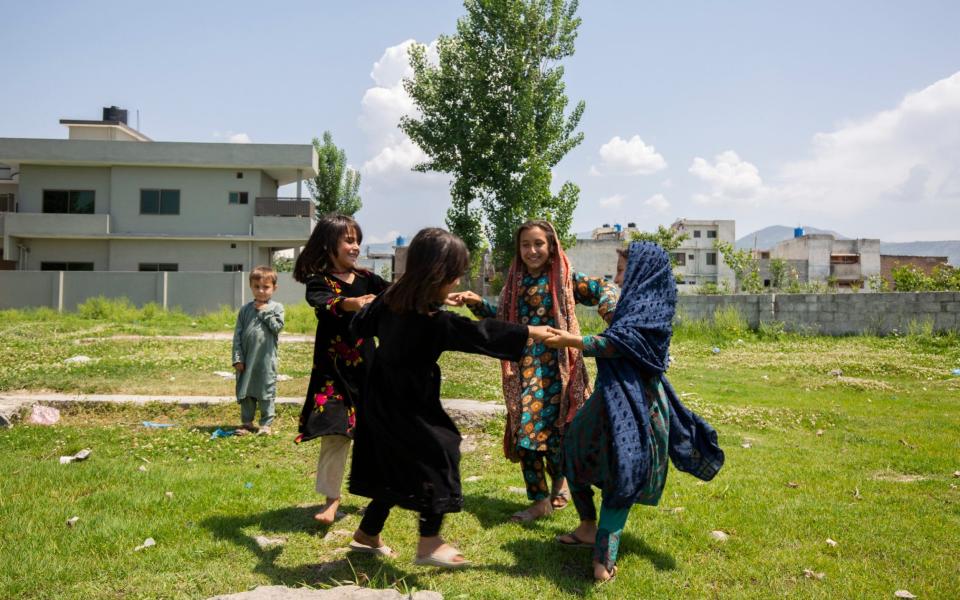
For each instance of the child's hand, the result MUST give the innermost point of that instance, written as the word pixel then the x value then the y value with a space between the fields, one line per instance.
pixel 469 298
pixel 563 339
pixel 454 299
pixel 355 304
pixel 239 366
pixel 539 333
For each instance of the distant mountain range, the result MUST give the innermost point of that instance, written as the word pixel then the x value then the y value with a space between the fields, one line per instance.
pixel 768 237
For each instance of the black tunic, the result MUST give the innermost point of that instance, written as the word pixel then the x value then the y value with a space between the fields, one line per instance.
pixel 338 356
pixel 406 449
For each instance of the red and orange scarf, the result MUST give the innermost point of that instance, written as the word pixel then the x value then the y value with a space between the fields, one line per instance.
pixel 573 373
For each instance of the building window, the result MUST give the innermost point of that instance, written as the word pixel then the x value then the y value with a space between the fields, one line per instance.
pixel 766 283
pixel 690 257
pixel 66 266
pixel 764 255
pixel 239 174
pixel 711 234
pixel 69 201
pixel 234 268
pixel 844 259
pixel 711 259
pixel 238 198
pixel 159 202
pixel 696 233
pixel 679 259
pixel 155 267
pixel 8 203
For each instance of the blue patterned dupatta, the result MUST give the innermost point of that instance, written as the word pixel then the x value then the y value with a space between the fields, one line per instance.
pixel 641 330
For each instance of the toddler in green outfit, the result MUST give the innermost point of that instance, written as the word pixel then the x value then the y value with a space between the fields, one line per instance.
pixel 255 341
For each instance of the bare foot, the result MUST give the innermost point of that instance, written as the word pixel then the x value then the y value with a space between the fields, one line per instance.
pixel 430 546
pixel 328 513
pixel 560 496
pixel 540 508
pixel 601 574
pixel 374 541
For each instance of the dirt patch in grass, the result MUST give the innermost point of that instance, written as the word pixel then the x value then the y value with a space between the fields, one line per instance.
pixel 895 477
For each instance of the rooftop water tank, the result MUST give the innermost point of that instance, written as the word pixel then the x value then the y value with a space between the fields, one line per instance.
pixel 400 241
pixel 617 227
pixel 798 232
pixel 113 113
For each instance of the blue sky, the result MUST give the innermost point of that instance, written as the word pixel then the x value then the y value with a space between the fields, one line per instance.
pixel 844 115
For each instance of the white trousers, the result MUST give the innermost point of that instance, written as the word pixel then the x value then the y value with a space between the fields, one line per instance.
pixel 331 464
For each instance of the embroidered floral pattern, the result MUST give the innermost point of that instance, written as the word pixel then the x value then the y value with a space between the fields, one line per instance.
pixel 350 354
pixel 327 394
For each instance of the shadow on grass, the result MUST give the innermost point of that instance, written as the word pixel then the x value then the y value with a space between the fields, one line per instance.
pixel 538 555
pixel 348 567
pixel 492 511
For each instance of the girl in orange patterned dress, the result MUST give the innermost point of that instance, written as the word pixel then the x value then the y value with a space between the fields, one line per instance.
pixel 546 388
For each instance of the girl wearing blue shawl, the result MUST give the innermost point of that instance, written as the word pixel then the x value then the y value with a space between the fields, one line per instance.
pixel 621 439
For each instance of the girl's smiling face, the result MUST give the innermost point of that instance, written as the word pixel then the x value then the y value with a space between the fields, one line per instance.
pixel 347 251
pixel 534 249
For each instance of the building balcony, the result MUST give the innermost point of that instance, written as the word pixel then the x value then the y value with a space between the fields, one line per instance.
pixel 55 225
pixel 283 207
pixel 842 272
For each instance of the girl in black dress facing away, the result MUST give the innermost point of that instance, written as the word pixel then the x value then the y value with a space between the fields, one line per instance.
pixel 336 289
pixel 407 450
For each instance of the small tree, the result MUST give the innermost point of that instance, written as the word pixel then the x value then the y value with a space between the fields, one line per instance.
pixel 667 238
pixel 336 188
pixel 744 265
pixel 778 273
pixel 877 283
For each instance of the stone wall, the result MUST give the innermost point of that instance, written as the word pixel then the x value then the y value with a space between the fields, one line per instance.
pixel 836 314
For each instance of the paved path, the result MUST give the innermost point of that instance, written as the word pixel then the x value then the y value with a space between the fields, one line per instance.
pixel 197 337
pixel 464 411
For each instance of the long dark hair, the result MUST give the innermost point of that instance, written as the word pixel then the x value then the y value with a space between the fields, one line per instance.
pixel 552 242
pixel 315 257
pixel 435 257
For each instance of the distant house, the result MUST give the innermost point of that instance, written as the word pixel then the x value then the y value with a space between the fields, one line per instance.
pixel 111 199
pixel 697 259
pixel 888 262
pixel 847 263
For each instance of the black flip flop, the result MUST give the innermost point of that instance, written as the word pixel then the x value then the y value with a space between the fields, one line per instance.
pixel 576 543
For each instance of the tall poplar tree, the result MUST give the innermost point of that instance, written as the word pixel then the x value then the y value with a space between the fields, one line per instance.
pixel 336 188
pixel 492 114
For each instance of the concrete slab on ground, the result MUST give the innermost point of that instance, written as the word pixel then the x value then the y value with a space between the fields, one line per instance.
pixel 346 592
pixel 463 411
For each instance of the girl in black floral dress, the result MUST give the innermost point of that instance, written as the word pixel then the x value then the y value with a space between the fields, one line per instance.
pixel 336 289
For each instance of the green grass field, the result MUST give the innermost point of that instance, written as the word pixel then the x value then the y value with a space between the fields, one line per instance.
pixel 867 460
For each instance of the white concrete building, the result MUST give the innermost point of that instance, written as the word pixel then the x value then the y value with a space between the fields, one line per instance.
pixel 110 199
pixel 697 259
pixel 848 263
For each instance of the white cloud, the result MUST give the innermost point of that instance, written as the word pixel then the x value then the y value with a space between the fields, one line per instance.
pixel 614 201
pixel 628 157
pixel 396 199
pixel 396 158
pixel 903 160
pixel 386 102
pixel 894 174
pixel 658 202
pixel 389 236
pixel 731 180
pixel 232 138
